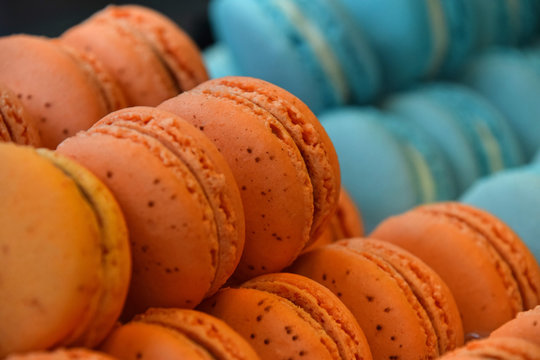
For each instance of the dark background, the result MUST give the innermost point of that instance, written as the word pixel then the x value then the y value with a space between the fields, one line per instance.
pixel 52 17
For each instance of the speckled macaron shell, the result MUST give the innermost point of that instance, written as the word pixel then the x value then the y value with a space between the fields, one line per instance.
pixel 16 124
pixel 63 354
pixel 389 312
pixel 127 55
pixel 526 325
pixel 171 223
pixel 62 96
pixel 209 167
pixel 489 270
pixel 116 253
pixel 496 348
pixel 65 280
pixel 305 129
pixel 274 183
pixel 428 287
pixel 286 315
pixel 177 333
pixel 178 51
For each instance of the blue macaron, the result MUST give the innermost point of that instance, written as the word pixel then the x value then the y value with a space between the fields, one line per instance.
pixel 386 165
pixel 512 195
pixel 474 135
pixel 219 61
pixel 510 80
pixel 309 47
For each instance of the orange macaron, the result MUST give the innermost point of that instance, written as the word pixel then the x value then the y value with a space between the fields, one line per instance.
pixel 286 316
pixel 490 271
pixel 16 124
pixel 404 308
pixel 65 254
pixel 282 159
pixel 62 89
pixel 149 55
pixel 181 202
pixel 504 348
pixel 526 325
pixel 172 333
pixel 62 354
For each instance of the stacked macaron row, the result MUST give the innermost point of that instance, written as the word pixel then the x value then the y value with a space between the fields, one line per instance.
pixel 226 181
pixel 122 56
pixel 429 279
pixel 335 52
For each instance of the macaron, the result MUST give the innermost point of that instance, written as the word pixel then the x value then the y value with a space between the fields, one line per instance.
pixel 285 315
pixel 404 308
pixel 16 124
pixel 381 153
pixel 171 333
pixel 65 254
pixel 496 348
pixel 311 48
pixel 282 159
pixel 509 195
pixel 180 199
pixel 65 91
pixel 475 137
pixel 149 55
pixel 510 82
pixel 419 26
pixel 62 354
pixel 526 325
pixel 490 271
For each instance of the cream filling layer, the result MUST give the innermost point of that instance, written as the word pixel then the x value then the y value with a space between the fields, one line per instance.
pixel 440 38
pixel 316 41
pixel 426 182
pixel 490 145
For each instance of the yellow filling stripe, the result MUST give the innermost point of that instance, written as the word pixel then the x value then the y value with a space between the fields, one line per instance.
pixel 316 41
pixel 440 39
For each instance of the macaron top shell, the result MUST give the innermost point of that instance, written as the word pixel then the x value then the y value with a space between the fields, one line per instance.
pixel 526 325
pixel 497 277
pixel 16 124
pixel 62 96
pixel 173 333
pixel 63 354
pixel 74 241
pixel 496 348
